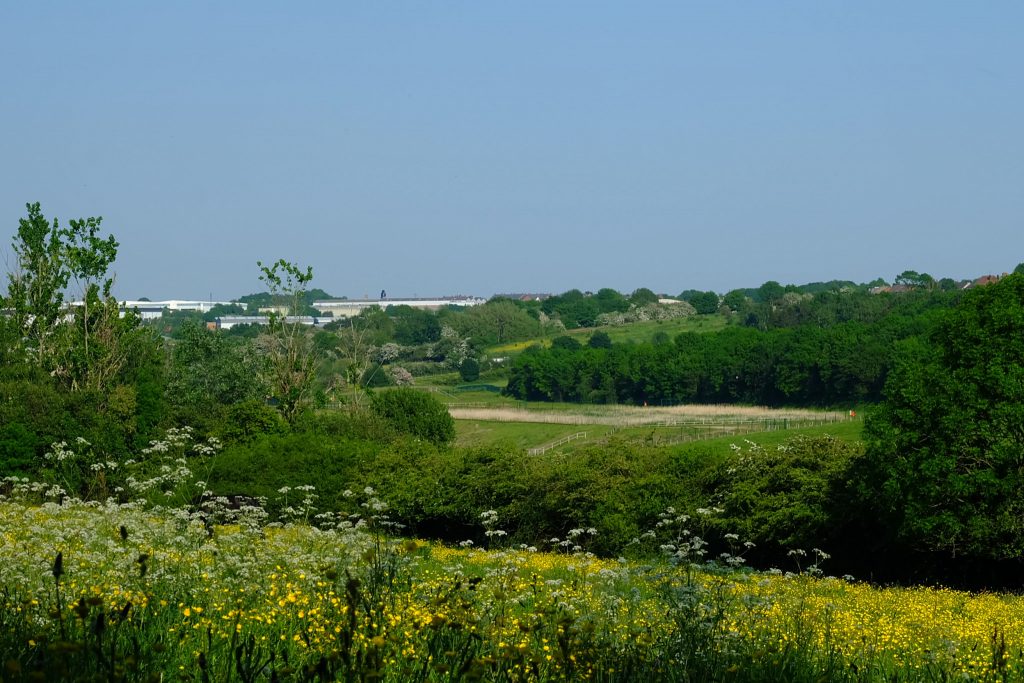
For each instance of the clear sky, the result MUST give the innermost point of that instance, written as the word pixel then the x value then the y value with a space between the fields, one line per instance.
pixel 433 148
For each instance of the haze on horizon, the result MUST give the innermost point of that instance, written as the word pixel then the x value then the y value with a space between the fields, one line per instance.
pixel 475 148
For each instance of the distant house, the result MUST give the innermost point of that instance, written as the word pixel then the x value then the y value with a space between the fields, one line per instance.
pixel 984 280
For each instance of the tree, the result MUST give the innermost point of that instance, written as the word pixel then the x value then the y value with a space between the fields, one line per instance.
pixel 610 300
pixel 736 300
pixel 600 340
pixel 911 278
pixel 944 448
pixel 495 322
pixel 770 292
pixel 414 325
pixel 704 302
pixel 36 285
pixel 88 258
pixel 97 344
pixel 642 297
pixel 209 371
pixel 469 371
pixel 566 343
pixel 289 350
pixel 416 413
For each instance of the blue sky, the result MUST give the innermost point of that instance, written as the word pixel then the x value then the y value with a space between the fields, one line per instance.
pixel 481 147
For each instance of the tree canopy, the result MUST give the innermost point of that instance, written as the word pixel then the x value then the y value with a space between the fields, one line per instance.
pixel 944 455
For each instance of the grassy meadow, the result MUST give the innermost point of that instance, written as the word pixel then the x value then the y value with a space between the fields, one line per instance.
pixel 492 419
pixel 637 332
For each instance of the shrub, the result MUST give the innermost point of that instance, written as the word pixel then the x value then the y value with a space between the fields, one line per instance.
pixel 247 420
pixel 415 413
pixel 469 371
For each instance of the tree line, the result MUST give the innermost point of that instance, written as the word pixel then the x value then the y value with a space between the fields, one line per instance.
pixel 803 365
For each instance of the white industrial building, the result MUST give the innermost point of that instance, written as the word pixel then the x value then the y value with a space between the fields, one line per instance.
pixel 346 308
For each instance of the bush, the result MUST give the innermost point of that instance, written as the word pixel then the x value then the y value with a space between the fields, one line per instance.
pixel 469 371
pixel 263 466
pixel 416 413
pixel 600 340
pixel 787 497
pixel 250 419
pixel 566 342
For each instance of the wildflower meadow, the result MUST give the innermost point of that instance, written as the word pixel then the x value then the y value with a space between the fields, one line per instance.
pixel 158 582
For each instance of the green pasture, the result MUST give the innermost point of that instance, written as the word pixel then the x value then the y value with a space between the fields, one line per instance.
pixel 523 435
pixel 644 332
pixel 623 334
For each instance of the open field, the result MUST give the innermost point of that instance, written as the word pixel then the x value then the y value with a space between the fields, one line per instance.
pixel 529 435
pixel 337 602
pixel 645 331
pixel 619 334
pixel 626 416
pixel 524 435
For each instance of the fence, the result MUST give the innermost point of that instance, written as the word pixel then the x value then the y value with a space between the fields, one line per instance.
pixel 539 450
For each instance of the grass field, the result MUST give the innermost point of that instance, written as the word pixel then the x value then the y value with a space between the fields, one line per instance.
pixel 645 331
pixel 714 434
pixel 524 435
pixel 619 334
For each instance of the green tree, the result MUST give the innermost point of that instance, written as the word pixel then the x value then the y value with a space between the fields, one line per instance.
pixel 736 300
pixel 704 302
pixel 944 448
pixel 36 284
pixel 600 340
pixel 911 278
pixel 642 297
pixel 610 300
pixel 566 343
pixel 770 292
pixel 469 371
pixel 290 352
pixel 414 325
pixel 210 371
pixel 416 413
pixel 495 322
pixel 88 258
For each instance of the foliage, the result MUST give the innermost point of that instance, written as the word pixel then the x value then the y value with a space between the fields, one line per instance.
pixel 248 420
pixel 600 340
pixel 944 446
pixel 469 370
pixel 566 343
pixel 495 322
pixel 809 366
pixel 911 278
pixel 210 371
pixel 642 297
pixel 416 413
pixel 288 348
pixel 414 325
pixel 786 497
pixel 35 286
pixel 703 302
